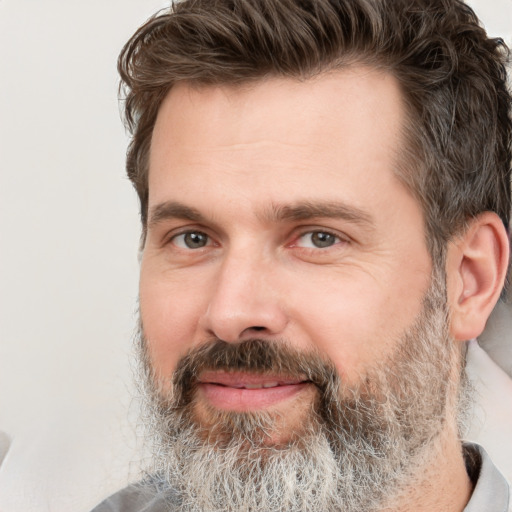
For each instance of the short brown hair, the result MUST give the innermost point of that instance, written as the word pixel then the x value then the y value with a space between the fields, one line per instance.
pixel 458 157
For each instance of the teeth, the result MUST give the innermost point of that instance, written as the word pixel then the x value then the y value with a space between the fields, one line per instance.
pixel 260 386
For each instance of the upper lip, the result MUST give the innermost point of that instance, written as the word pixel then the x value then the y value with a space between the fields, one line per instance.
pixel 247 380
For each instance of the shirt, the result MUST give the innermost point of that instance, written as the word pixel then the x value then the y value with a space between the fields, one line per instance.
pixel 490 494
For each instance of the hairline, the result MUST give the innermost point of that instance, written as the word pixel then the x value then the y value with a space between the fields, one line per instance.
pixel 405 161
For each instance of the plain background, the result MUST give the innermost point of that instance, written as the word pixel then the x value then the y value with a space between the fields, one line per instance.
pixel 68 216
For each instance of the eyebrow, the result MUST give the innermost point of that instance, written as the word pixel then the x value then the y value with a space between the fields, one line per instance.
pixel 312 209
pixel 295 212
pixel 173 210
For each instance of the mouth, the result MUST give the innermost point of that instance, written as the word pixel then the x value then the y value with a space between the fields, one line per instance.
pixel 248 392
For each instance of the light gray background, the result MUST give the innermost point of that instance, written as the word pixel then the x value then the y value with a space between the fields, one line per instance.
pixel 69 223
pixel 68 216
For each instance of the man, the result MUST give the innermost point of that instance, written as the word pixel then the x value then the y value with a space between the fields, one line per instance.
pixel 325 196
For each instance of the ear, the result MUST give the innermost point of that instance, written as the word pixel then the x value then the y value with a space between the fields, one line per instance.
pixel 476 268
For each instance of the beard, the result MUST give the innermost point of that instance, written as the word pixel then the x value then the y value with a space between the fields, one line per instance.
pixel 356 448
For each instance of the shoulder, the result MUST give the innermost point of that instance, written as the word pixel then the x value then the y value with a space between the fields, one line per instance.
pixel 139 497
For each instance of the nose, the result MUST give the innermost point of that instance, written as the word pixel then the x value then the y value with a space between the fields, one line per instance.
pixel 245 302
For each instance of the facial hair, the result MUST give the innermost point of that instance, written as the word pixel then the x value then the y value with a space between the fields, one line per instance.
pixel 357 448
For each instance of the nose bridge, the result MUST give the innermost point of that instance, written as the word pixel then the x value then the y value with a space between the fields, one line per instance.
pixel 244 301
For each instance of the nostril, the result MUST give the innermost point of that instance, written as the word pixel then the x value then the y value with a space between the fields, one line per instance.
pixel 254 330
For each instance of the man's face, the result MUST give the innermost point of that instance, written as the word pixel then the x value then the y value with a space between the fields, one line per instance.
pixel 288 299
pixel 274 212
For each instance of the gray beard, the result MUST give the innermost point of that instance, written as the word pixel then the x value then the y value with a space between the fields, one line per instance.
pixel 358 449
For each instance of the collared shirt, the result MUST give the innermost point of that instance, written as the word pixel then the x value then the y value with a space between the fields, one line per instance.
pixel 490 494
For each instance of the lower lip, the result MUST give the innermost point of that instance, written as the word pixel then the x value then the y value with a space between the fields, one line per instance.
pixel 236 399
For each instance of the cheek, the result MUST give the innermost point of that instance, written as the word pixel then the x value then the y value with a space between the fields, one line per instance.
pixel 356 320
pixel 169 313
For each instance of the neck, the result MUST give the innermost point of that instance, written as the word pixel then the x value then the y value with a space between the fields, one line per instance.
pixel 441 482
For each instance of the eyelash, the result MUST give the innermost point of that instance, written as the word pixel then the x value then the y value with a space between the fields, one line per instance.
pixel 295 243
pixel 338 239
pixel 173 238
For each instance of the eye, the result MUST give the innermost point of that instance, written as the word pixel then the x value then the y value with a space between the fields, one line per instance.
pixel 317 240
pixel 191 240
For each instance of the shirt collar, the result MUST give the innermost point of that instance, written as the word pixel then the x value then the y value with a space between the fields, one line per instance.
pixel 491 492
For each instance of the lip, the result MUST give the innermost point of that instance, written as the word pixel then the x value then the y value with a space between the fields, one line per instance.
pixel 248 392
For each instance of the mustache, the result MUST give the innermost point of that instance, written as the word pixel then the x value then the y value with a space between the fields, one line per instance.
pixel 340 411
pixel 257 356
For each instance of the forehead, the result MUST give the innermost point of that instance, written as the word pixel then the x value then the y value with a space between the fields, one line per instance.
pixel 276 137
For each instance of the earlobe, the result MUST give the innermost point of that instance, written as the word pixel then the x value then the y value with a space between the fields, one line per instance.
pixel 476 269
